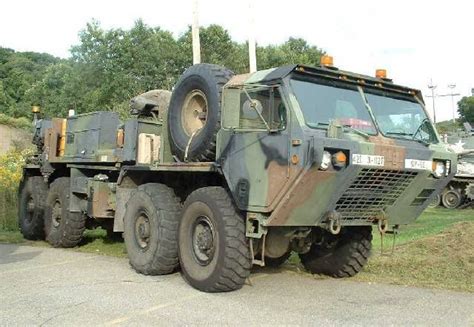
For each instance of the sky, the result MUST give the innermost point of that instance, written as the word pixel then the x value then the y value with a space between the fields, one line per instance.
pixel 416 41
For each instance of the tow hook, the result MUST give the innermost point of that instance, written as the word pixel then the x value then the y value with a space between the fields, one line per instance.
pixel 334 223
pixel 383 226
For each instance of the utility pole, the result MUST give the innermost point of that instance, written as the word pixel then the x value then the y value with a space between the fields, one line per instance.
pixel 195 34
pixel 452 95
pixel 432 88
pixel 252 47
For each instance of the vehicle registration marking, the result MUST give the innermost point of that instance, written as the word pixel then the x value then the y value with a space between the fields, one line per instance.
pixel 367 160
pixel 418 164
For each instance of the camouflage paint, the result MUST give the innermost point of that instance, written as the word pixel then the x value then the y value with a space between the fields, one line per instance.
pixel 271 174
pixel 263 178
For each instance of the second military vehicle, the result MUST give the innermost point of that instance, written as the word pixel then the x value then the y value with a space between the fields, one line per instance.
pixel 460 191
pixel 241 170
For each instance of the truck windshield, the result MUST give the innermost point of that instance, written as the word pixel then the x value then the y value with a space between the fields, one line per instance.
pixel 323 104
pixel 403 118
pixel 345 105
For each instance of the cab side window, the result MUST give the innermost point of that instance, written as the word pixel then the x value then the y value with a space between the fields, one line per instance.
pixel 262 108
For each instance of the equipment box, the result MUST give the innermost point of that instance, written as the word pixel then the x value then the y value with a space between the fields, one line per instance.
pixel 92 137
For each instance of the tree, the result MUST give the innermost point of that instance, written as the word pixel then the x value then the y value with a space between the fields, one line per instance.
pixel 109 67
pixel 293 51
pixel 466 109
pixel 19 71
pixel 217 48
pixel 119 64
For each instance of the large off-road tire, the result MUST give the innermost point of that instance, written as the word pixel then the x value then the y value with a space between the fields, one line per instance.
pixel 195 111
pixel 31 207
pixel 62 228
pixel 341 255
pixel 213 250
pixel 151 229
pixel 451 198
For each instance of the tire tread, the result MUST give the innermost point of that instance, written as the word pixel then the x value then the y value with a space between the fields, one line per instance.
pixel 345 260
pixel 237 261
pixel 165 258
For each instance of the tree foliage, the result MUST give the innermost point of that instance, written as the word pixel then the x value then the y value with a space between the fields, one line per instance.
pixel 19 71
pixel 108 67
pixel 466 109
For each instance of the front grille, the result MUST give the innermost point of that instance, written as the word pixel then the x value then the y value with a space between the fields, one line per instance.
pixel 372 192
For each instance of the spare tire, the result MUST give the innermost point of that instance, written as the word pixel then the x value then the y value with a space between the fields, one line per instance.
pixel 195 111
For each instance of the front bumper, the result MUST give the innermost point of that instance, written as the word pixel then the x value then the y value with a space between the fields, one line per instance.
pixel 362 195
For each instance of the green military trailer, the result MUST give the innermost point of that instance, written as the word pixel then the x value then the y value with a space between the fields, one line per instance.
pixel 241 170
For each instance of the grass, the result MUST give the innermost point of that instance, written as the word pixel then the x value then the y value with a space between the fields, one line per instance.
pixel 8 236
pixel 444 260
pixel 432 221
pixel 94 241
pixel 436 251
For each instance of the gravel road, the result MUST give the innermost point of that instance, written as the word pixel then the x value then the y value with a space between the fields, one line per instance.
pixel 43 286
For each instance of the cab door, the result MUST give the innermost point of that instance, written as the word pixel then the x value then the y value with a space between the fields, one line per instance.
pixel 254 145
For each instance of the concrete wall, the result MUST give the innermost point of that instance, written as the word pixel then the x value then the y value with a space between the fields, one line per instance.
pixel 10 137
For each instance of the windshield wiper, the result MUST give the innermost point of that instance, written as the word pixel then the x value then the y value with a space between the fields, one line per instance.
pixel 317 125
pixel 407 134
pixel 346 127
pixel 354 130
pixel 423 122
pixel 398 133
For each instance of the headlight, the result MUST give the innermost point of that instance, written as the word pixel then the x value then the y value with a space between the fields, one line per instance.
pixel 439 169
pixel 448 168
pixel 326 162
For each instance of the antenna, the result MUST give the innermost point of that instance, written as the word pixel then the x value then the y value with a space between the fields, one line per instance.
pixel 195 34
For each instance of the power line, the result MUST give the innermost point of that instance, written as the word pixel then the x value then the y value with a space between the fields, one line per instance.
pixel 452 95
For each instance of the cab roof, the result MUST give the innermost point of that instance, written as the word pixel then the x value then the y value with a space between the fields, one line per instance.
pixel 273 74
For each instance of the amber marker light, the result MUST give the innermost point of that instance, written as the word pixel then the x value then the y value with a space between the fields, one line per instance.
pixel 327 61
pixel 339 159
pixel 295 159
pixel 381 73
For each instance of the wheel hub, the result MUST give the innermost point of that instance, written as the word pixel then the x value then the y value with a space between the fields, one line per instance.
pixel 203 240
pixel 142 230
pixel 452 199
pixel 194 112
pixel 57 214
pixel 30 208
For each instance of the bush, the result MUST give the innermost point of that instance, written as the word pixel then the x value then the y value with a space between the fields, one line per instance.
pixel 22 122
pixel 11 164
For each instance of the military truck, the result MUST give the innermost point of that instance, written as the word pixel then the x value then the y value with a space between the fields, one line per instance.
pixel 460 191
pixel 241 170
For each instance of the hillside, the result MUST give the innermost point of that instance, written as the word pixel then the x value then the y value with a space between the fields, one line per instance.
pixel 13 137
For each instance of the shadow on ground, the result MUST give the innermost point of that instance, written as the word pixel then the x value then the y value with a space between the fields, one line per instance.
pixel 9 253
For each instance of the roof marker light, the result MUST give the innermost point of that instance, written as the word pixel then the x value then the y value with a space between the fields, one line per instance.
pixel 327 61
pixel 381 73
